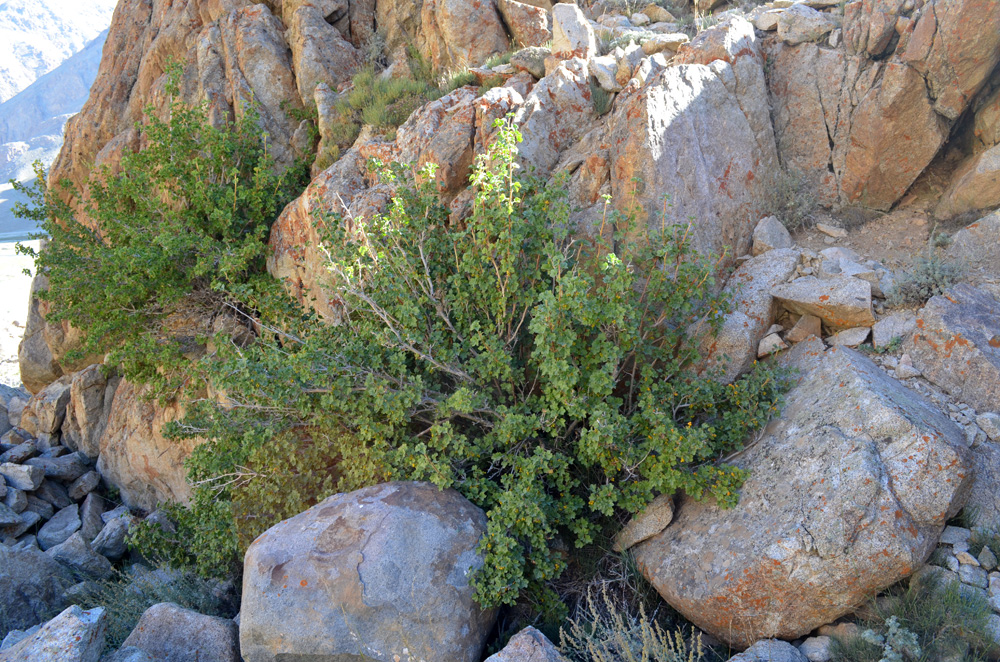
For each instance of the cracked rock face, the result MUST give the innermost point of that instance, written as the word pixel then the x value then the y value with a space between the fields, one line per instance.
pixel 377 574
pixel 863 121
pixel 848 492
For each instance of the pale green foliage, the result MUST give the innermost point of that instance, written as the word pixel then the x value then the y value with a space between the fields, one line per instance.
pixel 930 276
pixel 604 632
pixel 925 624
pixel 896 641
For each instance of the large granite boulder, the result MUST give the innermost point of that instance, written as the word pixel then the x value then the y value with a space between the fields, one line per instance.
pixel 848 492
pixel 90 396
pixel 700 133
pixel 957 345
pixel 377 574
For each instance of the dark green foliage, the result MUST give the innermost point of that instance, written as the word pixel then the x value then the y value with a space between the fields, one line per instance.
pixel 183 228
pixel 544 375
pixel 948 622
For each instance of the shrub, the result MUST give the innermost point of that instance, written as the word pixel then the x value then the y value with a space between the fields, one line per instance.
pixel 604 632
pixel 793 201
pixel 602 99
pixel 544 375
pixel 176 233
pixel 929 622
pixel 930 276
pixel 126 596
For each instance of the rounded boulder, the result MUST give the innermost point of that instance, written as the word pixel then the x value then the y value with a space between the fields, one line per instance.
pixel 378 574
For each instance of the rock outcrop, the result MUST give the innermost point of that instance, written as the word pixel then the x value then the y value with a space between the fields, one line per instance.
pixel 381 574
pixel 848 492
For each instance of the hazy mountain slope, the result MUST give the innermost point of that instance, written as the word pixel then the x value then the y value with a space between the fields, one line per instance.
pixel 31 125
pixel 36 36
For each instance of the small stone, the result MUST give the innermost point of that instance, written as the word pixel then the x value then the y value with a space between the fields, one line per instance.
pixel 90 516
pixel 993 627
pixel 960 547
pixel 954 534
pixel 7 516
pixel 817 649
pixel 28 520
pixel 43 508
pixel 110 542
pixel 840 630
pixel 973 575
pixel 850 337
pixel 16 500
pixel 770 345
pixel 987 559
pixel 120 511
pixel 831 230
pixel 951 563
pixel 990 424
pixel 889 328
pixel 658 14
pixel 66 468
pixel 767 21
pixel 54 493
pixel 905 371
pixel 966 559
pixel 995 602
pixel 808 325
pixel 639 19
pixel 77 555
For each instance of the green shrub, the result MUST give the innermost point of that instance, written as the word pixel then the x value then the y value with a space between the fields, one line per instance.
pixel 601 98
pixel 605 632
pixel 182 233
pixel 931 622
pixel 793 201
pixel 544 375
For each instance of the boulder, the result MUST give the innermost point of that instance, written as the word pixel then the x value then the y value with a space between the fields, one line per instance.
pixel 572 36
pixel 983 509
pixel 734 349
pixel 974 185
pixel 699 133
pixel 848 493
pixel 110 542
pixel 29 519
pixel 769 234
pixel 644 525
pixel 888 329
pixel 801 23
pixel 90 396
pixel 135 457
pixel 18 454
pixel 373 574
pixel 528 645
pixel 169 632
pixel 320 53
pixel 977 248
pixel 74 635
pixel 770 650
pixel 659 43
pixel 957 345
pixel 66 468
pixel 46 410
pixel 57 530
pixel 850 337
pixel 37 365
pixel 451 34
pixel 555 115
pixel 531 60
pixel 23 477
pixel 54 493
pixel 529 26
pixel 807 325
pixel 84 485
pixel 842 303
pixel 31 586
pixel 77 555
pixel 90 516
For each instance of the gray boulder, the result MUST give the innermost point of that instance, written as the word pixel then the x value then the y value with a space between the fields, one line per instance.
pixel 169 632
pixel 528 645
pixel 46 410
pixel 110 542
pixel 58 529
pixel 770 650
pixel 77 555
pixel 769 234
pixel 66 468
pixel 842 302
pixel 21 476
pixel 848 493
pixel 377 574
pixel 74 635
pixel 31 586
pixel 957 345
pixel 984 506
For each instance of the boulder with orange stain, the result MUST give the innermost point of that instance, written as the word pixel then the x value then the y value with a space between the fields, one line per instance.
pixel 848 492
pixel 378 574
pixel 957 345
pixel 842 302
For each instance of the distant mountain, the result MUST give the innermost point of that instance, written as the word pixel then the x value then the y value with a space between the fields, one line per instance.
pixel 50 51
pixel 36 36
